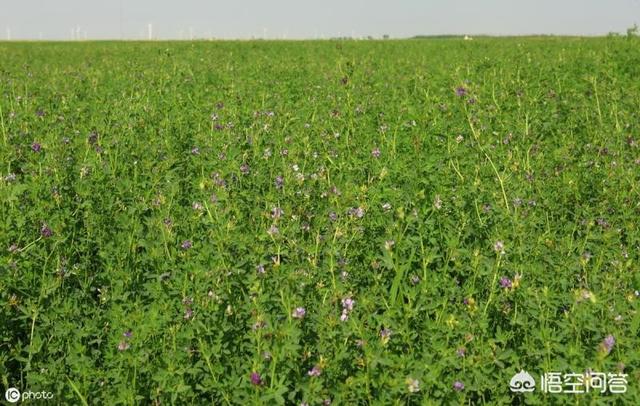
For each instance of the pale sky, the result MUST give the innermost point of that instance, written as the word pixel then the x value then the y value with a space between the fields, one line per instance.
pixel 291 19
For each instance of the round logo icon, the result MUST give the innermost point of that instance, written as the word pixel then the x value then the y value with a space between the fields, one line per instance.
pixel 12 395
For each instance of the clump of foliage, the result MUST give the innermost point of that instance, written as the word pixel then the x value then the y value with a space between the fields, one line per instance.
pixel 313 222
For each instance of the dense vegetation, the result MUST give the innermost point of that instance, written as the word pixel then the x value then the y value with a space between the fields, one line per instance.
pixel 304 222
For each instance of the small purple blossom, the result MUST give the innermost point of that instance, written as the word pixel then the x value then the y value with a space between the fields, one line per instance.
pixel 186 244
pixel 123 346
pixel 276 212
pixel 461 352
pixel 375 152
pixel 333 216
pixel 36 147
pixel 315 371
pixel 279 182
pixel 505 282
pixel 348 303
pixel 458 386
pixel 195 151
pixel 385 334
pixel 608 343
pixel 415 279
pixel 256 379
pixel 244 169
pixel 13 248
pixel 357 212
pixel 127 334
pixel 273 230
pixel 461 91
pixel 260 269
pixel 45 231
pixel 299 313
pixel 499 247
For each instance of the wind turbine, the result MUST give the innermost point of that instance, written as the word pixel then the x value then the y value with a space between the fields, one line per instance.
pixel 150 31
pixel 191 33
pixel 8 34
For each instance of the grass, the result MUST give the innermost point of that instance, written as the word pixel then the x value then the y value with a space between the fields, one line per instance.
pixel 446 212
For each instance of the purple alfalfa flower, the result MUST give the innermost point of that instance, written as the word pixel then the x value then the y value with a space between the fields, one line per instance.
pixel 260 269
pixel 279 182
pixel 471 100
pixel 333 216
pixel 415 279
pixel 499 247
pixel 505 282
pixel 608 343
pixel 13 248
pixel 244 169
pixel 36 147
pixel 299 313
pixel 256 379
pixel 385 334
pixel 458 386
pixel 123 345
pixel 315 371
pixel 93 137
pixel 348 303
pixel 276 212
pixel 461 352
pixel 344 316
pixel 186 244
pixel 258 325
pixel 197 206
pixel 127 334
pixel 461 91
pixel 375 152
pixel 195 151
pixel 40 113
pixel 356 212
pixel 45 231
pixel 273 230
